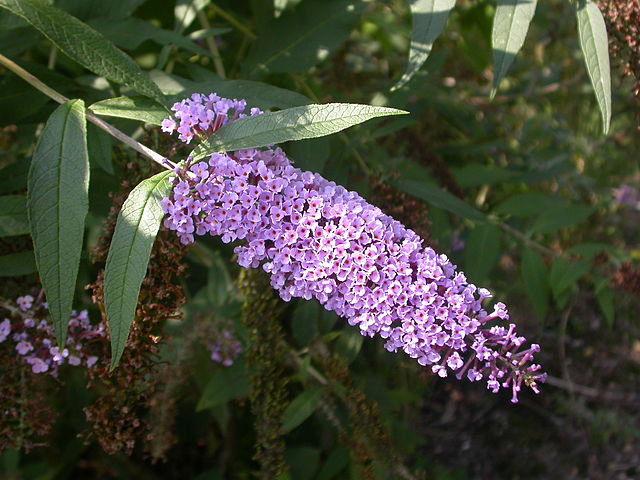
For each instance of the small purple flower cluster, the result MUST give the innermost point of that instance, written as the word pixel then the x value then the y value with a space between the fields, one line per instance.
pixel 318 240
pixel 34 337
pixel 201 115
pixel 225 348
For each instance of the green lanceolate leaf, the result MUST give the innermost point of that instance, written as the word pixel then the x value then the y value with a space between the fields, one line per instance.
pixel 57 204
pixel 300 409
pixel 83 44
pixel 296 123
pixel 13 215
pixel 227 384
pixel 133 108
pixel 428 20
pixel 482 251
pixel 510 27
pixel 595 48
pixel 17 264
pixel 301 38
pixel 440 199
pixel 136 229
pixel 536 281
pixel 564 275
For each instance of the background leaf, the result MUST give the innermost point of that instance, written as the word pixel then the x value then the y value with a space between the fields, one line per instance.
pixel 564 274
pixel 133 108
pixel 136 230
pixel 440 199
pixel 481 252
pixel 100 146
pixel 57 204
pixel 303 37
pixel 595 48
pixel 291 124
pixel 428 20
pixel 17 264
pixel 300 409
pixel 13 215
pixel 227 383
pixel 510 27
pixel 83 44
pixel 130 33
pixel 536 281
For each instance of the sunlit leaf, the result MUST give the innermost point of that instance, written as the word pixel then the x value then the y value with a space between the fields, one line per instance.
pixel 83 44
pixel 592 32
pixel 428 20
pixel 510 27
pixel 296 123
pixel 57 204
pixel 136 229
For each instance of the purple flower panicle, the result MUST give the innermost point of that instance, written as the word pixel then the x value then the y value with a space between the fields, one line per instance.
pixel 35 340
pixel 225 348
pixel 201 115
pixel 318 240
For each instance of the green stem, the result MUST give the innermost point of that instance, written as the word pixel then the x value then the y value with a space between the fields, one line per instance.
pixel 213 48
pixel 233 21
pixel 110 129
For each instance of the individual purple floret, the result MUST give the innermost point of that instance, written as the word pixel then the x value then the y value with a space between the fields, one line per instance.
pixel 35 342
pixel 201 115
pixel 225 349
pixel 318 240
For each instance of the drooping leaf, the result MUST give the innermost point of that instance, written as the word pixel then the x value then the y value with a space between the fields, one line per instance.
pixel 99 144
pixel 296 123
pixel 17 264
pixel 510 27
pixel 57 204
pixel 300 409
pixel 13 216
pixel 227 384
pixel 83 44
pixel 536 281
pixel 482 250
pixel 133 108
pixel 592 32
pixel 136 229
pixel 304 36
pixel 440 199
pixel 428 20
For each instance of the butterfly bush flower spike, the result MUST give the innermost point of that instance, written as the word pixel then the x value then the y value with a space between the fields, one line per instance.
pixel 34 340
pixel 319 240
